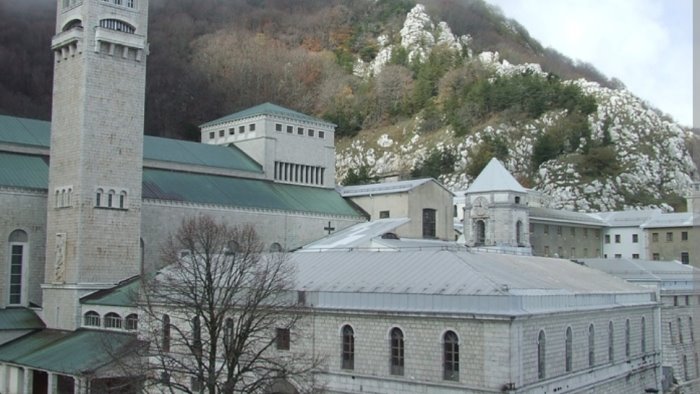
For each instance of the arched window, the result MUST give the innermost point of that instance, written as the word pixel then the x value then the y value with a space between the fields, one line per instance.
pixel 18 247
pixel 611 346
pixel 115 24
pixel 591 345
pixel 91 319
pixel 680 330
pixel 685 367
pixel 197 336
pixel 480 229
pixel 690 327
pixel 132 322
pixel 275 247
pixel 165 340
pixel 63 197
pixel 519 233
pixel 429 223
pixel 98 197
pixel 450 356
pixel 397 351
pixel 113 320
pixel 347 358
pixel 110 198
pixel 228 333
pixel 569 349
pixel 644 334
pixel 73 24
pixel 57 200
pixel 122 199
pixel 69 197
pixel 627 338
pixel 541 353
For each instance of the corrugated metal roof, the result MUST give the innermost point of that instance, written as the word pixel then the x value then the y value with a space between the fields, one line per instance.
pixel 384 187
pixel 188 152
pixel 671 274
pixel 23 131
pixel 448 273
pixel 266 109
pixel 124 294
pixel 244 193
pixel 495 177
pixel 683 219
pixel 73 353
pixel 560 215
pixel 358 235
pixel 19 319
pixel 24 171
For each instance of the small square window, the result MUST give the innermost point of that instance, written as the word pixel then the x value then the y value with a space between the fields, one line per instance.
pixel 300 130
pixel 383 214
pixel 251 127
pixel 618 256
pixel 212 135
pixel 278 127
pixel 685 258
pixel 654 237
pixel 290 129
pixel 321 134
pixel 546 251
pixel 558 230
pixel 597 233
pixel 607 238
pixel 617 238
pixel 655 256
pixel 635 256
pixel 635 238
pixel 311 133
pixel 585 233
pixel 241 129
pixel 669 237
pixel 232 131
pixel 684 236
pixel 573 231
pixel 283 339
pixel 221 133
pixel 546 229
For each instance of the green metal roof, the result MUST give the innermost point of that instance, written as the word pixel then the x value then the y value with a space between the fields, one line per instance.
pixel 24 131
pixel 72 353
pixel 24 171
pixel 188 152
pixel 19 319
pixel 124 294
pixel 244 193
pixel 266 109
pixel 37 133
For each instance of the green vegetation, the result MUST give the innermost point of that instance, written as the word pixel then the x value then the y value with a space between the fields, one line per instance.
pixel 489 148
pixel 436 164
pixel 361 177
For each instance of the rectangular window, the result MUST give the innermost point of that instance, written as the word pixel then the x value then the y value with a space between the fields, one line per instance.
pixel 283 339
pixel 212 135
pixel 617 238
pixel 669 237
pixel 618 256
pixel 546 229
pixel 130 3
pixel 241 129
pixel 311 133
pixel 278 127
pixel 383 214
pixel 573 252
pixel 221 133
pixel 558 230
pixel 685 258
pixel 429 223
pixel 16 260
pixel 573 231
pixel 232 131
pixel 290 129
pixel 607 238
pixel 635 238
pixel 321 134
pixel 635 256
pixel 684 236
pixel 560 252
pixel 300 130
pixel 654 237
pixel 546 251
pixel 655 256
pixel 597 233
pixel 251 127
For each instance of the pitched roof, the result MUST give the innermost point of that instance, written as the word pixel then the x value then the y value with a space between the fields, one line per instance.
pixel 242 193
pixel 73 353
pixel 385 187
pixel 359 235
pixel 495 177
pixel 266 109
pixel 123 294
pixel 564 216
pixel 19 319
pixel 23 131
pixel 24 171
pixel 631 218
pixel 682 219
pixel 672 275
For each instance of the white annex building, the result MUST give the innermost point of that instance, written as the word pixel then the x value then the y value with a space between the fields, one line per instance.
pixel 90 201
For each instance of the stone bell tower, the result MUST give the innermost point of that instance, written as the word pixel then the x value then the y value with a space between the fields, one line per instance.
pixel 94 202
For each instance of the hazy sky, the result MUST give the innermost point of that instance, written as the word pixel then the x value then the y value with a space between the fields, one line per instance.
pixel 647 44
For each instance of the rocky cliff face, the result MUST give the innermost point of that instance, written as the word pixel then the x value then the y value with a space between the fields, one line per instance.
pixel 653 161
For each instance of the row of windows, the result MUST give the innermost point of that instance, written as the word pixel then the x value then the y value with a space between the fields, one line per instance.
pixel 232 131
pixel 669 236
pixel 300 131
pixel 124 3
pixel 63 197
pixel 299 173
pixel 117 25
pixel 618 238
pixel 591 337
pixel 111 320
pixel 572 230
pixel 679 327
pixel 561 252
pixel 450 352
pixel 71 3
pixel 111 199
pixel 685 257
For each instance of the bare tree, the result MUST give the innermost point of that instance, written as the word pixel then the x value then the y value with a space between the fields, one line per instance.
pixel 220 314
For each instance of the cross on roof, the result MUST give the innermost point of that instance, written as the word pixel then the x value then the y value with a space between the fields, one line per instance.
pixel 329 228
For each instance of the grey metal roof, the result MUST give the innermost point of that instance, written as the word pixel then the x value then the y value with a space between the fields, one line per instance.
pixel 19 319
pixel 671 275
pixel 385 187
pixel 359 235
pixel 683 219
pixel 267 109
pixel 563 216
pixel 448 272
pixel 495 177
pixel 631 218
